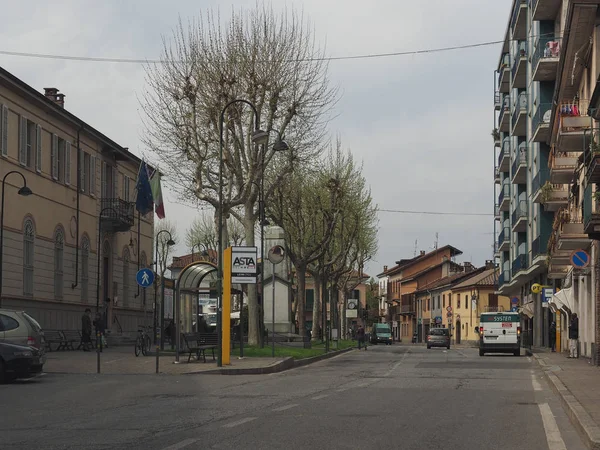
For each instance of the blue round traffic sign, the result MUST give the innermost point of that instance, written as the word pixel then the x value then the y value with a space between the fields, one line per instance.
pixel 580 259
pixel 514 300
pixel 514 309
pixel 145 277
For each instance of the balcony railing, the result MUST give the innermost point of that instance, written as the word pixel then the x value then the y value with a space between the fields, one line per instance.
pixel 503 278
pixel 539 180
pixel 520 212
pixel 503 236
pixel 539 246
pixel 520 108
pixel 520 160
pixel 505 152
pixel 116 214
pixel 504 64
pixel 518 264
pixel 546 48
pixel 519 58
pixel 504 193
pixel 540 117
pixel 515 15
pixel 497 99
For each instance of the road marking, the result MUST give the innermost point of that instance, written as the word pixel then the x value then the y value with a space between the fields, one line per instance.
pixel 319 397
pixel 182 444
pixel 341 390
pixel 529 359
pixel 536 384
pixel 555 441
pixel 239 422
pixel 283 408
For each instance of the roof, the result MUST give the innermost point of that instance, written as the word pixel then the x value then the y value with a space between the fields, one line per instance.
pixel 486 278
pixel 26 90
pixel 428 269
pixel 451 279
pixel 179 262
pixel 404 263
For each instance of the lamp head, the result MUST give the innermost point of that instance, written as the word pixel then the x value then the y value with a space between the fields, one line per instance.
pixel 280 146
pixel 25 191
pixel 260 136
pixel 170 242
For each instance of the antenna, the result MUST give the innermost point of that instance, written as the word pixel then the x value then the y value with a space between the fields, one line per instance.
pixel 416 246
pixel 435 244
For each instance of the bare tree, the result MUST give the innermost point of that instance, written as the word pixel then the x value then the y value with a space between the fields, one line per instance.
pixel 269 60
pixel 164 250
pixel 202 231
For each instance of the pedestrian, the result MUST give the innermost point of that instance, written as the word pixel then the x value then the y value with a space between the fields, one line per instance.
pixel 100 329
pixel 86 329
pixel 552 336
pixel 573 335
pixel 360 334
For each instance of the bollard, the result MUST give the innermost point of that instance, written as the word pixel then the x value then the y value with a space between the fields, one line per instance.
pixel 97 351
pixel 157 346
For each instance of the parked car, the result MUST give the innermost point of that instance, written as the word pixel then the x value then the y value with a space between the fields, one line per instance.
pixel 438 337
pixel 18 327
pixel 19 361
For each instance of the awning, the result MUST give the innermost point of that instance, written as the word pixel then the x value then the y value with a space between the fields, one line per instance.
pixel 235 315
pixel 527 309
pixel 564 300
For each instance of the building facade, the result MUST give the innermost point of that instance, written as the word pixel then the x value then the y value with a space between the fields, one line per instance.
pixel 82 182
pixel 545 200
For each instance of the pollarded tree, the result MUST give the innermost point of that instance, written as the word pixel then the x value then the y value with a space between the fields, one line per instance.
pixel 267 59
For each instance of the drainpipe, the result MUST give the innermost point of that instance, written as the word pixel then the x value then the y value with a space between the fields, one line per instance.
pixel 138 251
pixel 74 285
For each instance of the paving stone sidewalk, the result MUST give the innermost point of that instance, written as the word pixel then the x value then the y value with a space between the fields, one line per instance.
pixel 121 360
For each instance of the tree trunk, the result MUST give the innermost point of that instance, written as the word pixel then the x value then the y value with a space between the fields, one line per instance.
pixel 316 306
pixel 253 310
pixel 344 321
pixel 301 301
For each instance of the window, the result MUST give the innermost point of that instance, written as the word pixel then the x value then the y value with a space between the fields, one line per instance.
pixel 125 195
pixel 27 142
pixel 85 269
pixel 28 256
pixel 61 159
pixel 125 277
pixel 84 180
pixel 8 323
pixel 428 304
pixel 438 303
pixel 443 300
pixel 59 248
pixel 92 175
pixel 310 300
pixel 4 130
pixel 457 301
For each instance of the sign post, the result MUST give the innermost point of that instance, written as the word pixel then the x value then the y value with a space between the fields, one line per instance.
pixel 276 255
pixel 145 278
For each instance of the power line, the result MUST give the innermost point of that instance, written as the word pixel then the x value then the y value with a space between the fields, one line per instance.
pixel 325 58
pixel 437 213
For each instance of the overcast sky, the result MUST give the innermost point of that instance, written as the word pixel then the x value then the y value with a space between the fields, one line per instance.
pixel 421 123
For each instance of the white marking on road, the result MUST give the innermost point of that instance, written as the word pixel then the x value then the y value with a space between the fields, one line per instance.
pixel 283 408
pixel 239 422
pixel 182 444
pixel 529 359
pixel 341 390
pixel 536 384
pixel 555 441
pixel 319 397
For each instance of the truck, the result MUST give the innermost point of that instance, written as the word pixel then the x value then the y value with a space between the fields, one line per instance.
pixel 381 333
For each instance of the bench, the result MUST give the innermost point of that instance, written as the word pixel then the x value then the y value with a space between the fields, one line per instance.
pixel 72 337
pixel 53 337
pixel 198 343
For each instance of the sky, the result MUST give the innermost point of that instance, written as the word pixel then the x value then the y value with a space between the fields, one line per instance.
pixel 420 123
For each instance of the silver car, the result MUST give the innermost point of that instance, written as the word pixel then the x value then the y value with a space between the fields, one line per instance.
pixel 18 327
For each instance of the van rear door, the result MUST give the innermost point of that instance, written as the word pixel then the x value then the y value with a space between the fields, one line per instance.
pixel 500 328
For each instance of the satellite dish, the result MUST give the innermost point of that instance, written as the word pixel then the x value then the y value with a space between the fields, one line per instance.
pixel 276 254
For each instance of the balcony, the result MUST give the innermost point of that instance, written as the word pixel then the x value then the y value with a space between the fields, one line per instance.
pixel 554 196
pixel 503 278
pixel 504 197
pixel 116 215
pixel 407 305
pixel 519 217
pixel 504 240
pixel 545 9
pixel 496 175
pixel 504 117
pixel 591 213
pixel 557 271
pixel 497 100
pixel 538 182
pixel 540 123
pixel 592 161
pixel 569 230
pixel 519 264
pixel 539 246
pixel 519 116
pixel 562 167
pixel 504 74
pixel 518 21
pixel 496 212
pixel 519 67
pixel 519 167
pixel 544 60
pixel 574 131
pixel 504 157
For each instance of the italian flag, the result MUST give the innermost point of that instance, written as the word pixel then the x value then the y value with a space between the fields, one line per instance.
pixel 157 194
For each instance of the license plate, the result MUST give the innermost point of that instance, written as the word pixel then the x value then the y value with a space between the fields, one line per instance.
pixel 506 324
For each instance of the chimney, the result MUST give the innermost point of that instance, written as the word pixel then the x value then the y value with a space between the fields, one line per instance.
pixel 53 95
pixel 385 268
pixel 422 252
pixel 489 264
pixel 468 267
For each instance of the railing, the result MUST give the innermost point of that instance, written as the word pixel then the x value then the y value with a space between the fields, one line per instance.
pixel 515 14
pixel 118 210
pixel 504 109
pixel 504 63
pixel 503 278
pixel 505 192
pixel 519 263
pixel 503 153
pixel 521 159
pixel 539 246
pixel 539 180
pixel 520 107
pixel 522 52
pixel 538 115
pixel 519 212
pixel 588 202
pixel 497 98
pixel 504 235
pixel 545 48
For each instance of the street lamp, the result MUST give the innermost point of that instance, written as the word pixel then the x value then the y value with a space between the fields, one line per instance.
pixel 258 137
pixel 170 243
pixel 24 191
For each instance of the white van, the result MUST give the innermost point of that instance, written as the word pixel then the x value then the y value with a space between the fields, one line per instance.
pixel 499 332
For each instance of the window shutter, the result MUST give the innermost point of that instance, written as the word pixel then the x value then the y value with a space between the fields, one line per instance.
pixel 104 174
pixel 4 130
pixel 68 163
pixel 54 156
pixel 115 179
pixel 81 169
pixel 38 148
pixel 23 141
pixel 93 175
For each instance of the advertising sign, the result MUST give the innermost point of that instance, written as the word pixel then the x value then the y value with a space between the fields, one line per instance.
pixel 243 265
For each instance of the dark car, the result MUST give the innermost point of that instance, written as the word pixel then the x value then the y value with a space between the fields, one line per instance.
pixel 438 337
pixel 19 361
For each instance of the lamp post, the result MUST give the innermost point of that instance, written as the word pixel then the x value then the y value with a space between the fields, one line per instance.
pixel 170 242
pixel 258 137
pixel 24 191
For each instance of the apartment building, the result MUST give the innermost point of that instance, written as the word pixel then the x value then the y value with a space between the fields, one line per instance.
pixel 81 182
pixel 545 201
pixel 382 296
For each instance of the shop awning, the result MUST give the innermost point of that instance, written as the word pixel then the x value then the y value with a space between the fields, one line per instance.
pixel 527 309
pixel 564 300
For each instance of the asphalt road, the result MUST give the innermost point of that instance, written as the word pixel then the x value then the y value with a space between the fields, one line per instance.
pixel 388 397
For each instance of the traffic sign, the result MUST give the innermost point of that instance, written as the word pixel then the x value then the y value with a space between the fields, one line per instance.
pixel 514 300
pixel 448 314
pixel 145 277
pixel 580 259
pixel 514 309
pixel 449 308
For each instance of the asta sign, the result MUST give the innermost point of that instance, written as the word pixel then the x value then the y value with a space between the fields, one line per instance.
pixel 243 265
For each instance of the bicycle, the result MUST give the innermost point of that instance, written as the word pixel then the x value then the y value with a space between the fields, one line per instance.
pixel 142 342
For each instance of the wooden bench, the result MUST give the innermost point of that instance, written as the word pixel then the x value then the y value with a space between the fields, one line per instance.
pixel 53 337
pixel 198 343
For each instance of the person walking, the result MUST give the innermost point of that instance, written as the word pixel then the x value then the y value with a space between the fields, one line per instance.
pixel 100 329
pixel 86 329
pixel 552 336
pixel 360 335
pixel 573 335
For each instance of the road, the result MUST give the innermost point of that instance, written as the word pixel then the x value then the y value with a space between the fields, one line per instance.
pixel 388 397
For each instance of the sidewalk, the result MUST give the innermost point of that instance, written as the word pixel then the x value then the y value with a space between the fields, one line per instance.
pixel 122 360
pixel 577 382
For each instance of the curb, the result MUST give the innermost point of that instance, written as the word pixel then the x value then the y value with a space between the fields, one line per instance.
pixel 581 420
pixel 285 364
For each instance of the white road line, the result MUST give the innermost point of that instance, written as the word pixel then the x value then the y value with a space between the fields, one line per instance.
pixel 182 444
pixel 555 441
pixel 283 408
pixel 536 384
pixel 239 422
pixel 319 397
pixel 341 390
pixel 529 359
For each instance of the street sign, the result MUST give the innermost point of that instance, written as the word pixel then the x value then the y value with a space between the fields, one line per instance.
pixel 580 259
pixel 449 308
pixel 243 265
pixel 145 277
pixel 448 314
pixel 514 300
pixel 514 308
pixel 547 296
pixel 352 303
